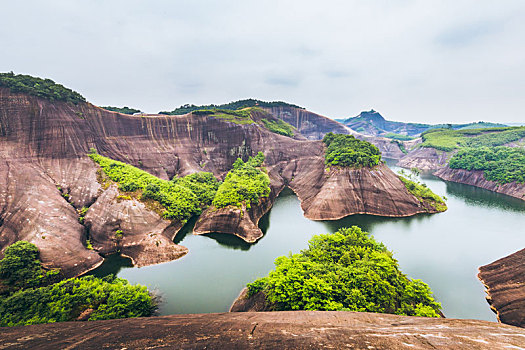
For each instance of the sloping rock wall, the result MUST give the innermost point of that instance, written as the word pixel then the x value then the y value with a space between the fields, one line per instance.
pixel 505 283
pixel 268 330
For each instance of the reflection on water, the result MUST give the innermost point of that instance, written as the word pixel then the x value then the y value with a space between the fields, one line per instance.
pixel 444 250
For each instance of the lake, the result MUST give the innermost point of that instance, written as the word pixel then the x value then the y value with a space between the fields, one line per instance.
pixel 444 250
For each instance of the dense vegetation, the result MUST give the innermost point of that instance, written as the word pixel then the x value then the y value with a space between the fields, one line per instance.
pixel 187 108
pixel 448 140
pixel 245 184
pixel 45 88
pixel 423 193
pixel 499 164
pixel 347 151
pixel 30 297
pixel 180 198
pixel 124 110
pixel 347 270
pixel 279 127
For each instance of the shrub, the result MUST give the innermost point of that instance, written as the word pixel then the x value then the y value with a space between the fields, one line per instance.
pixel 45 88
pixel 245 184
pixel 347 270
pixel 423 193
pixel 499 164
pixel 31 300
pixel 180 198
pixel 347 151
pixel 21 267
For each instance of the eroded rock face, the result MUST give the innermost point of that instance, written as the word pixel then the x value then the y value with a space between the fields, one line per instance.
pixel 126 226
pixel 269 330
pixel 341 192
pixel 46 178
pixel 426 159
pixel 476 178
pixel 505 283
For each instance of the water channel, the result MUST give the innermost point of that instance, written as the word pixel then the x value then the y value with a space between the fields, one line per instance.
pixel 444 250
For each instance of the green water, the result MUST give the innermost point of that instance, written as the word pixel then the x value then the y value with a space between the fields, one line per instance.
pixel 444 250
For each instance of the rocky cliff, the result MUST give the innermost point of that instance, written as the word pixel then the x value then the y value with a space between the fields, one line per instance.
pixel 505 283
pixel 476 178
pixel 268 330
pixel 46 179
pixel 425 159
pixel 314 126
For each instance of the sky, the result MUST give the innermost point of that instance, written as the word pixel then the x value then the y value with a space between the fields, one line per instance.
pixel 419 61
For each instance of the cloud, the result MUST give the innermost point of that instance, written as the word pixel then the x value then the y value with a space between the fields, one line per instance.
pixel 415 60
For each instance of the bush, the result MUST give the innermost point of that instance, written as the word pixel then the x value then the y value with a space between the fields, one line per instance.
pixel 180 198
pixel 30 300
pixel 123 110
pixel 103 298
pixel 187 108
pixel 21 267
pixel 347 151
pixel 245 184
pixel 499 164
pixel 423 193
pixel 45 88
pixel 347 270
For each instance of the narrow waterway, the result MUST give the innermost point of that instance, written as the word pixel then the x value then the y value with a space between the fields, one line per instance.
pixel 444 250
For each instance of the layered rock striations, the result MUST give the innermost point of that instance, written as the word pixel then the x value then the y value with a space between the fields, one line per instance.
pixel 476 178
pixel 505 283
pixel 46 179
pixel 269 330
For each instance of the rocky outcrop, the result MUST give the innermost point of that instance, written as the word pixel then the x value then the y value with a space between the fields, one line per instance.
pixel 311 125
pixel 241 222
pixel 46 178
pixel 425 159
pixel 476 178
pixel 254 303
pixel 505 283
pixel 337 193
pixel 117 224
pixel 268 330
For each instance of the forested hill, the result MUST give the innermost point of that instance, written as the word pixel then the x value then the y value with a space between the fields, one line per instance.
pixel 187 108
pixel 374 124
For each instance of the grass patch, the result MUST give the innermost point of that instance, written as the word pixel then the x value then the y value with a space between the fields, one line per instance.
pixel 279 127
pixel 448 140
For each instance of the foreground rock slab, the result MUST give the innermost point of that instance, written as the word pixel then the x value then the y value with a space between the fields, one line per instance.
pixel 505 283
pixel 268 330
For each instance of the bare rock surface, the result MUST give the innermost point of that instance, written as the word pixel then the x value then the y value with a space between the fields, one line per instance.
pixel 126 226
pixel 268 330
pixel 426 159
pixel 46 178
pixel 476 178
pixel 341 192
pixel 505 283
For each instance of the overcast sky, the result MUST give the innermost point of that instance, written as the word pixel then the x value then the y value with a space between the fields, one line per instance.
pixel 423 61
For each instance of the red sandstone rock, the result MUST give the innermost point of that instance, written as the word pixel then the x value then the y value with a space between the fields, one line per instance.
pixel 476 178
pixel 43 147
pixel 268 330
pixel 505 283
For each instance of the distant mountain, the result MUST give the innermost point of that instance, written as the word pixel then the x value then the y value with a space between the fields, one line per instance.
pixel 187 108
pixel 372 123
